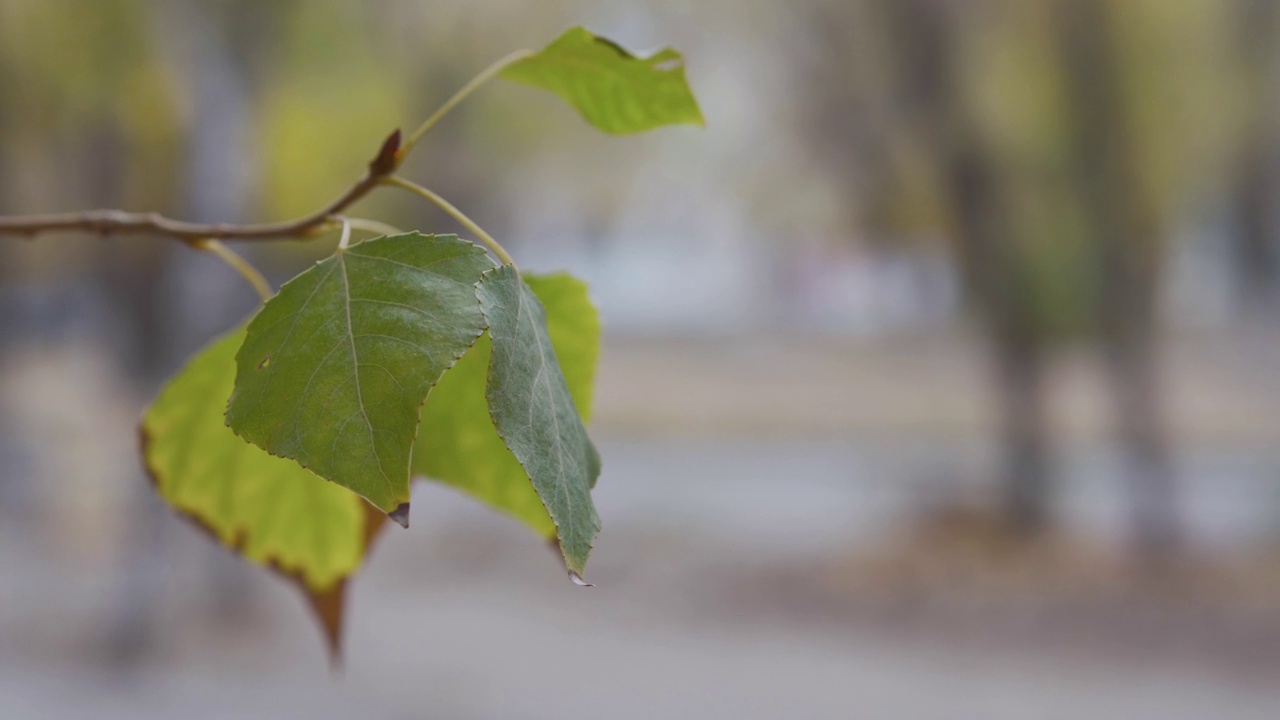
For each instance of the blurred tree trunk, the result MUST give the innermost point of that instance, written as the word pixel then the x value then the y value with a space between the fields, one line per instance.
pixel 217 60
pixel 991 259
pixel 1257 171
pixel 1254 251
pixel 130 281
pixel 914 97
pixel 1128 233
pixel 988 253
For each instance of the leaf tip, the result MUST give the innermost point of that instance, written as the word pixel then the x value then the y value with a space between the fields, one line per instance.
pixel 328 607
pixel 401 515
pixel 575 576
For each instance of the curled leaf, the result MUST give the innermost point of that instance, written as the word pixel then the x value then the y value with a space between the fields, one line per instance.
pixel 613 90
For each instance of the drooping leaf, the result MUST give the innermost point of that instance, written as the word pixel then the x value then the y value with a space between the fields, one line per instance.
pixel 267 509
pixel 534 412
pixel 335 367
pixel 457 442
pixel 614 90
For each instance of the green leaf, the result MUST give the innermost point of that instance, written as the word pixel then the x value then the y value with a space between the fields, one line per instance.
pixel 267 509
pixel 335 367
pixel 613 89
pixel 534 412
pixel 458 444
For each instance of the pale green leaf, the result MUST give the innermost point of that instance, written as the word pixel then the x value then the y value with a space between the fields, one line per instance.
pixel 335 367
pixel 574 326
pixel 457 442
pixel 268 509
pixel 534 412
pixel 614 90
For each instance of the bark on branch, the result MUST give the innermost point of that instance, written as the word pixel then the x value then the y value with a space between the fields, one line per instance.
pixel 117 222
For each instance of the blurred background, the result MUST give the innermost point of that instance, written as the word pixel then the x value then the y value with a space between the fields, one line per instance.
pixel 939 370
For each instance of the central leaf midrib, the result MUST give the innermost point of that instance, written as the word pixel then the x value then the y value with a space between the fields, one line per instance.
pixel 521 313
pixel 355 369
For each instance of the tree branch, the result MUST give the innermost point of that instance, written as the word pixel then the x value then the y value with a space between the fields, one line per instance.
pixel 116 222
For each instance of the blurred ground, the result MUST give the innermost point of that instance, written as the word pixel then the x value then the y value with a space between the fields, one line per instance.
pixel 1220 388
pixel 754 563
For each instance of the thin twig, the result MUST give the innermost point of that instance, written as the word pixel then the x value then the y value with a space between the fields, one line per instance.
pixel 116 222
pixel 205 235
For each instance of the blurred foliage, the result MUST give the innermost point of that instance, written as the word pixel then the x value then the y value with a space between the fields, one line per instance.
pixel 848 141
pixel 923 78
pixel 325 105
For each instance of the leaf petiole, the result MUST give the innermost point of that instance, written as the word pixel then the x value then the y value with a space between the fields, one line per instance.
pixel 237 263
pixel 454 213
pixel 345 238
pixel 475 82
pixel 375 227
